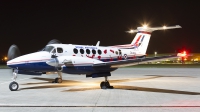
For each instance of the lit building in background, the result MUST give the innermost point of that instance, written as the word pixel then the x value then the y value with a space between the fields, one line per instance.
pixel 193 59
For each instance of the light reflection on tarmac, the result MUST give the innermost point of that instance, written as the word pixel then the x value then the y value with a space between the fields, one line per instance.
pixel 170 89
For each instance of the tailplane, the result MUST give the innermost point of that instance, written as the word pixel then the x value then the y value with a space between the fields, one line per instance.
pixel 141 39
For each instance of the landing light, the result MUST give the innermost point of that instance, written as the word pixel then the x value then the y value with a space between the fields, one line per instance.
pixel 131 31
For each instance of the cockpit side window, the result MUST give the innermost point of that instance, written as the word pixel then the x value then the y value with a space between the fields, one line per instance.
pixel 59 50
pixel 48 48
pixel 54 51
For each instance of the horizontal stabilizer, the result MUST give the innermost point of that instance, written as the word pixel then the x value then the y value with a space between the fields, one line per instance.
pixel 151 29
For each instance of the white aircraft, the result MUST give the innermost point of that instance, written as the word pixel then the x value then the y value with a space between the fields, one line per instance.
pixel 93 61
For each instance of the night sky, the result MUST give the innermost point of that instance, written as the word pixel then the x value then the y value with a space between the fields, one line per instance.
pixel 31 24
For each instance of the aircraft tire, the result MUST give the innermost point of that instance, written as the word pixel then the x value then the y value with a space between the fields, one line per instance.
pixel 102 85
pixel 107 84
pixel 58 80
pixel 13 86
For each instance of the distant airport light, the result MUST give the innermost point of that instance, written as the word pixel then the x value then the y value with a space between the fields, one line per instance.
pixel 155 53
pixel 5 58
pixel 164 27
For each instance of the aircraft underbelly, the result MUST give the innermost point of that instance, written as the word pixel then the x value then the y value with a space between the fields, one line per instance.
pixel 43 67
pixel 86 69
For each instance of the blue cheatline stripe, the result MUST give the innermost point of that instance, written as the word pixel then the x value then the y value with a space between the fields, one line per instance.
pixel 42 66
pixel 142 38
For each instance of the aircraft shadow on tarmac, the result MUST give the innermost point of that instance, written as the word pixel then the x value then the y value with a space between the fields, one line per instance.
pixel 92 86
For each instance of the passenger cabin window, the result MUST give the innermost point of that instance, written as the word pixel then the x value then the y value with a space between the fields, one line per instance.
pixel 81 51
pixel 87 51
pixel 93 51
pixel 59 50
pixel 48 48
pixel 75 50
pixel 99 51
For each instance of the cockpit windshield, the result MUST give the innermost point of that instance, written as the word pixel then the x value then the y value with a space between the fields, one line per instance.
pixel 48 48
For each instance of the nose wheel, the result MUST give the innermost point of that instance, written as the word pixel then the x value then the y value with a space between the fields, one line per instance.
pixel 13 86
pixel 105 84
pixel 57 80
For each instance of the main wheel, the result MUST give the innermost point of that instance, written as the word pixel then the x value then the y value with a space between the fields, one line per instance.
pixel 107 84
pixel 13 86
pixel 57 80
pixel 102 85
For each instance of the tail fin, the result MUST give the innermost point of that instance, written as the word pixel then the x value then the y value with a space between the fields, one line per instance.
pixel 141 40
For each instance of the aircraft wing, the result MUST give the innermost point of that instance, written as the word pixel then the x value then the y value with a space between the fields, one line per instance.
pixel 130 62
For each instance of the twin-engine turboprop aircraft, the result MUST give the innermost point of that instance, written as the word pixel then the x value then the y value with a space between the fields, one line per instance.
pixel 93 61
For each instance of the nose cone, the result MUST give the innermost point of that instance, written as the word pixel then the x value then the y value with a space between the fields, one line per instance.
pixel 11 63
pixel 52 62
pixel 8 63
pixel 35 57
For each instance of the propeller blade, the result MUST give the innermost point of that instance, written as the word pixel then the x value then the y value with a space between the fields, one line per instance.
pixel 54 41
pixel 13 52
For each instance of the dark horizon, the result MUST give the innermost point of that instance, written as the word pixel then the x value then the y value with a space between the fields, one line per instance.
pixel 32 24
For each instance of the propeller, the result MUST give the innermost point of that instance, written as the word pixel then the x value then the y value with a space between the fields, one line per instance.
pixel 13 52
pixel 54 41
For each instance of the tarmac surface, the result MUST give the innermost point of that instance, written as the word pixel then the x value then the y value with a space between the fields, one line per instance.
pixel 135 89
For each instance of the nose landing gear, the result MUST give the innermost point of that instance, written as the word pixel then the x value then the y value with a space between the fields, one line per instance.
pixel 13 86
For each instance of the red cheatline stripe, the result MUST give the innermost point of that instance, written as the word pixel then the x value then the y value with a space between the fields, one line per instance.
pixel 29 61
pixel 144 32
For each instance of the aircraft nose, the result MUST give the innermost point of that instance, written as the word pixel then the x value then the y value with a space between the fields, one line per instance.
pixel 11 64
pixel 52 62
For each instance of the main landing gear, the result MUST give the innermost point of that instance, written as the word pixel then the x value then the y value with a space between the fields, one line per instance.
pixel 59 78
pixel 14 85
pixel 105 84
